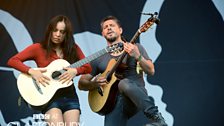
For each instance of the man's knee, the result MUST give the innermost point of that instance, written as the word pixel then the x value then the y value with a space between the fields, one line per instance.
pixel 123 85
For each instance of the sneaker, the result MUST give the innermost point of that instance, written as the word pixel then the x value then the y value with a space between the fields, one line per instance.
pixel 157 120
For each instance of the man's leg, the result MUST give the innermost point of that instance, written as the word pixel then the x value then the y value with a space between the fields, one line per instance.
pixel 117 117
pixel 142 101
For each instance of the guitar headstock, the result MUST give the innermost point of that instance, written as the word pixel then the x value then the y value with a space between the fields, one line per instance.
pixel 118 47
pixel 153 19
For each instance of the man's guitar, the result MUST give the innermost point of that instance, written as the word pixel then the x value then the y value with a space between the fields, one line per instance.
pixel 38 95
pixel 103 102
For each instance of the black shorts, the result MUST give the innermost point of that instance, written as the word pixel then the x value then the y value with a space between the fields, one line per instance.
pixel 64 104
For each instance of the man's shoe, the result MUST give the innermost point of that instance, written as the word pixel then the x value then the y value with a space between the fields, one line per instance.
pixel 157 120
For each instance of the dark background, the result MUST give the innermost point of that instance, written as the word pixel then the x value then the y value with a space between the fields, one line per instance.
pixel 189 69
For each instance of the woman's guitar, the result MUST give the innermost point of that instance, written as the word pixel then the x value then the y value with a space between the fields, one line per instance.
pixel 102 100
pixel 38 95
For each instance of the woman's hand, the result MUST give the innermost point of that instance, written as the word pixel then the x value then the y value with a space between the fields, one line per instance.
pixel 68 75
pixel 39 77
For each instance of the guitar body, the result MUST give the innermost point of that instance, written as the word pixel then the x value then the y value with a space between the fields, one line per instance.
pixel 36 94
pixel 104 104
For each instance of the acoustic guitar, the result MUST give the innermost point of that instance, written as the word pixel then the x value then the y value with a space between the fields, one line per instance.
pixel 37 95
pixel 102 100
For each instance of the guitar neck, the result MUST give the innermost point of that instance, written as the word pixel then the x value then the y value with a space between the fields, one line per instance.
pixel 121 57
pixel 134 38
pixel 88 59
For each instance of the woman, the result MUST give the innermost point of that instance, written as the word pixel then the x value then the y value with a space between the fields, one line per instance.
pixel 58 44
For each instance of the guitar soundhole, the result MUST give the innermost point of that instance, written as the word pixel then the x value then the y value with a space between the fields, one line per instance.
pixel 56 74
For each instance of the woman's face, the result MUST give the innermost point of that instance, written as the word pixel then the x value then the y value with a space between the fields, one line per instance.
pixel 58 33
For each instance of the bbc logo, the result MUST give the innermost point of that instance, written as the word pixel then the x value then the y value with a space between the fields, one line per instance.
pixel 41 116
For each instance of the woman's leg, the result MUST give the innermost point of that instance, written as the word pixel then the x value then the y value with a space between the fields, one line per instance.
pixel 55 117
pixel 71 117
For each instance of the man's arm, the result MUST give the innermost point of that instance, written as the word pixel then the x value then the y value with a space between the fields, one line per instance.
pixel 88 82
pixel 85 82
pixel 147 65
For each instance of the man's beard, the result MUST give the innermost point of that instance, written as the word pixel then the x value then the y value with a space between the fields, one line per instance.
pixel 112 39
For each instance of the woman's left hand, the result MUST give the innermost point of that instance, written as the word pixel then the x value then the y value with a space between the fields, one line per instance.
pixel 68 75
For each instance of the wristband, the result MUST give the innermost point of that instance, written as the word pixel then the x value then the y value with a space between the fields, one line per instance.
pixel 140 58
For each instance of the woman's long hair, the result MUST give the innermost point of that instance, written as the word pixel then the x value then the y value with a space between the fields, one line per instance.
pixel 68 48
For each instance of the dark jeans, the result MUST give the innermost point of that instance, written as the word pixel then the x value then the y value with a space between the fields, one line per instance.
pixel 132 98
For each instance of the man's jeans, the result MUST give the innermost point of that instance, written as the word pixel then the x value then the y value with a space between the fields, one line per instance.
pixel 132 98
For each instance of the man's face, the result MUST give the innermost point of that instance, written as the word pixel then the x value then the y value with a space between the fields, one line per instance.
pixel 111 30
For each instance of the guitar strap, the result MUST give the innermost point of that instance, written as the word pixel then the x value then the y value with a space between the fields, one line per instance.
pixel 21 100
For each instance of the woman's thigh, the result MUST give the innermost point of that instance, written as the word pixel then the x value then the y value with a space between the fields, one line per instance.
pixel 71 117
pixel 55 116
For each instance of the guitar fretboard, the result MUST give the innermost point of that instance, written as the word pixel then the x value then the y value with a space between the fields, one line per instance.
pixel 88 59
pixel 95 55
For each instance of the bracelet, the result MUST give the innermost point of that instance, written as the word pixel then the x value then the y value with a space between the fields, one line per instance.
pixel 140 58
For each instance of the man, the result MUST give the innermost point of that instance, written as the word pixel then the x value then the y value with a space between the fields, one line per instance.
pixel 132 96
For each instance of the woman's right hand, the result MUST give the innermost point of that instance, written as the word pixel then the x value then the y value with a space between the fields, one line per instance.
pixel 39 76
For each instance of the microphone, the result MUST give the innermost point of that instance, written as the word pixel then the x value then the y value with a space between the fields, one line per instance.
pixel 153 16
pixel 156 13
